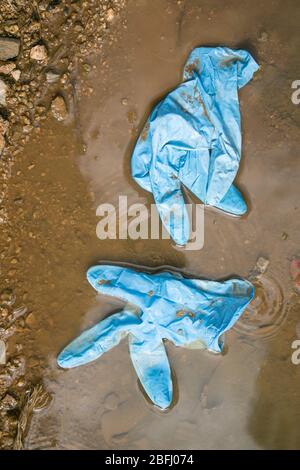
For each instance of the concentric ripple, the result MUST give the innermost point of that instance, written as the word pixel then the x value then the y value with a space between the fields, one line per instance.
pixel 266 313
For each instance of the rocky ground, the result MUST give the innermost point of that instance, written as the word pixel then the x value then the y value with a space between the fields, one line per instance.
pixel 43 44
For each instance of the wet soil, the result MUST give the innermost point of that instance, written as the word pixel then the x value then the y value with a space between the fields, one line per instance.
pixel 246 398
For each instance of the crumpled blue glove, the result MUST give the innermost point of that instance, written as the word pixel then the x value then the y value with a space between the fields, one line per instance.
pixel 191 313
pixel 193 138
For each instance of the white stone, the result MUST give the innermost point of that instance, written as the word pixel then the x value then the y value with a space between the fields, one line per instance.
pixel 110 15
pixel 3 90
pixel 39 53
pixel 2 352
pixel 262 265
pixel 52 77
pixel 16 74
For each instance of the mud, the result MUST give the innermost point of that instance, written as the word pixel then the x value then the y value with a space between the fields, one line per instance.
pixel 247 398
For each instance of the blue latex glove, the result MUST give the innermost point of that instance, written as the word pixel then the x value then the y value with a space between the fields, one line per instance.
pixel 193 138
pixel 189 312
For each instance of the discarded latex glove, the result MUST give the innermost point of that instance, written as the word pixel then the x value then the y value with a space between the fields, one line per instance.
pixel 193 138
pixel 191 313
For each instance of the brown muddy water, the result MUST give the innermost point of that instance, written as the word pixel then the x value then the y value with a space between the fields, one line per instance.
pixel 247 398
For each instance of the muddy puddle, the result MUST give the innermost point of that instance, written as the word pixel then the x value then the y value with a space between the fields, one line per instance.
pixel 247 398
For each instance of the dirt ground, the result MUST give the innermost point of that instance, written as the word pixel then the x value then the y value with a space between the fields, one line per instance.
pixel 76 95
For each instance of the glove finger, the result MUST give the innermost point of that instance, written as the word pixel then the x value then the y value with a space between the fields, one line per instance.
pixel 166 188
pixel 152 366
pixel 115 281
pixel 92 343
pixel 233 202
pixel 224 164
pixel 194 172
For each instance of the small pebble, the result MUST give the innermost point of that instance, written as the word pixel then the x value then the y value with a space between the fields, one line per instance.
pixel 3 91
pixel 262 265
pixel 263 37
pixel 30 320
pixel 2 352
pixel 6 69
pixel 52 77
pixel 39 53
pixel 16 74
pixel 7 297
pixel 110 15
pixel 86 68
pixel 3 129
pixel 11 29
pixel 9 48
pixel 59 109
pixel 8 402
